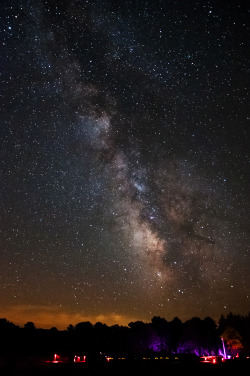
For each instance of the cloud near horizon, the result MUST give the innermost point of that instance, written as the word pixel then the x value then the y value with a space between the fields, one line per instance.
pixel 47 317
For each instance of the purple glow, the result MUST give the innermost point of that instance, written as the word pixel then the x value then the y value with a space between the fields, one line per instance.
pixel 156 346
pixel 224 349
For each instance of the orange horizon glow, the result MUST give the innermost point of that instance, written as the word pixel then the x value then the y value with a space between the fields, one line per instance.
pixel 46 317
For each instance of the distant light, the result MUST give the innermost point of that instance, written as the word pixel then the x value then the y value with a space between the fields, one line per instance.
pixel 209 359
pixel 56 358
pixel 77 359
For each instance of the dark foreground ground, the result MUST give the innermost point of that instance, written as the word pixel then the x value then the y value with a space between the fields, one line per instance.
pixel 130 367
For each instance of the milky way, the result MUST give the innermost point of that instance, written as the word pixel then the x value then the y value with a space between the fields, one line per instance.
pixel 124 160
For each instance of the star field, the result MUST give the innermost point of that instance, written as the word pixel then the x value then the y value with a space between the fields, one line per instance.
pixel 124 160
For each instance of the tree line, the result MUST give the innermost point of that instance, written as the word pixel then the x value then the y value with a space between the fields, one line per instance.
pixel 195 336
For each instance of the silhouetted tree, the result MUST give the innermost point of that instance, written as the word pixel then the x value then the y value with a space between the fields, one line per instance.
pixel 199 337
pixel 233 340
pixel 142 337
pixel 240 326
pixel 29 326
pixel 161 327
pixel 9 336
pixel 120 336
pixel 138 338
pixel 70 328
pixel 102 338
pixel 175 329
pixel 84 336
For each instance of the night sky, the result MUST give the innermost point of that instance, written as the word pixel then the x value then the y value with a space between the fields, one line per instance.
pixel 124 159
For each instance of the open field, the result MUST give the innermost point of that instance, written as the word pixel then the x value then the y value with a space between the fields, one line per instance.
pixel 128 367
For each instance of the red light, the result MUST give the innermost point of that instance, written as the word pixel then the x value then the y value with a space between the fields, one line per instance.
pixel 77 359
pixel 209 359
pixel 56 358
pixel 108 358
